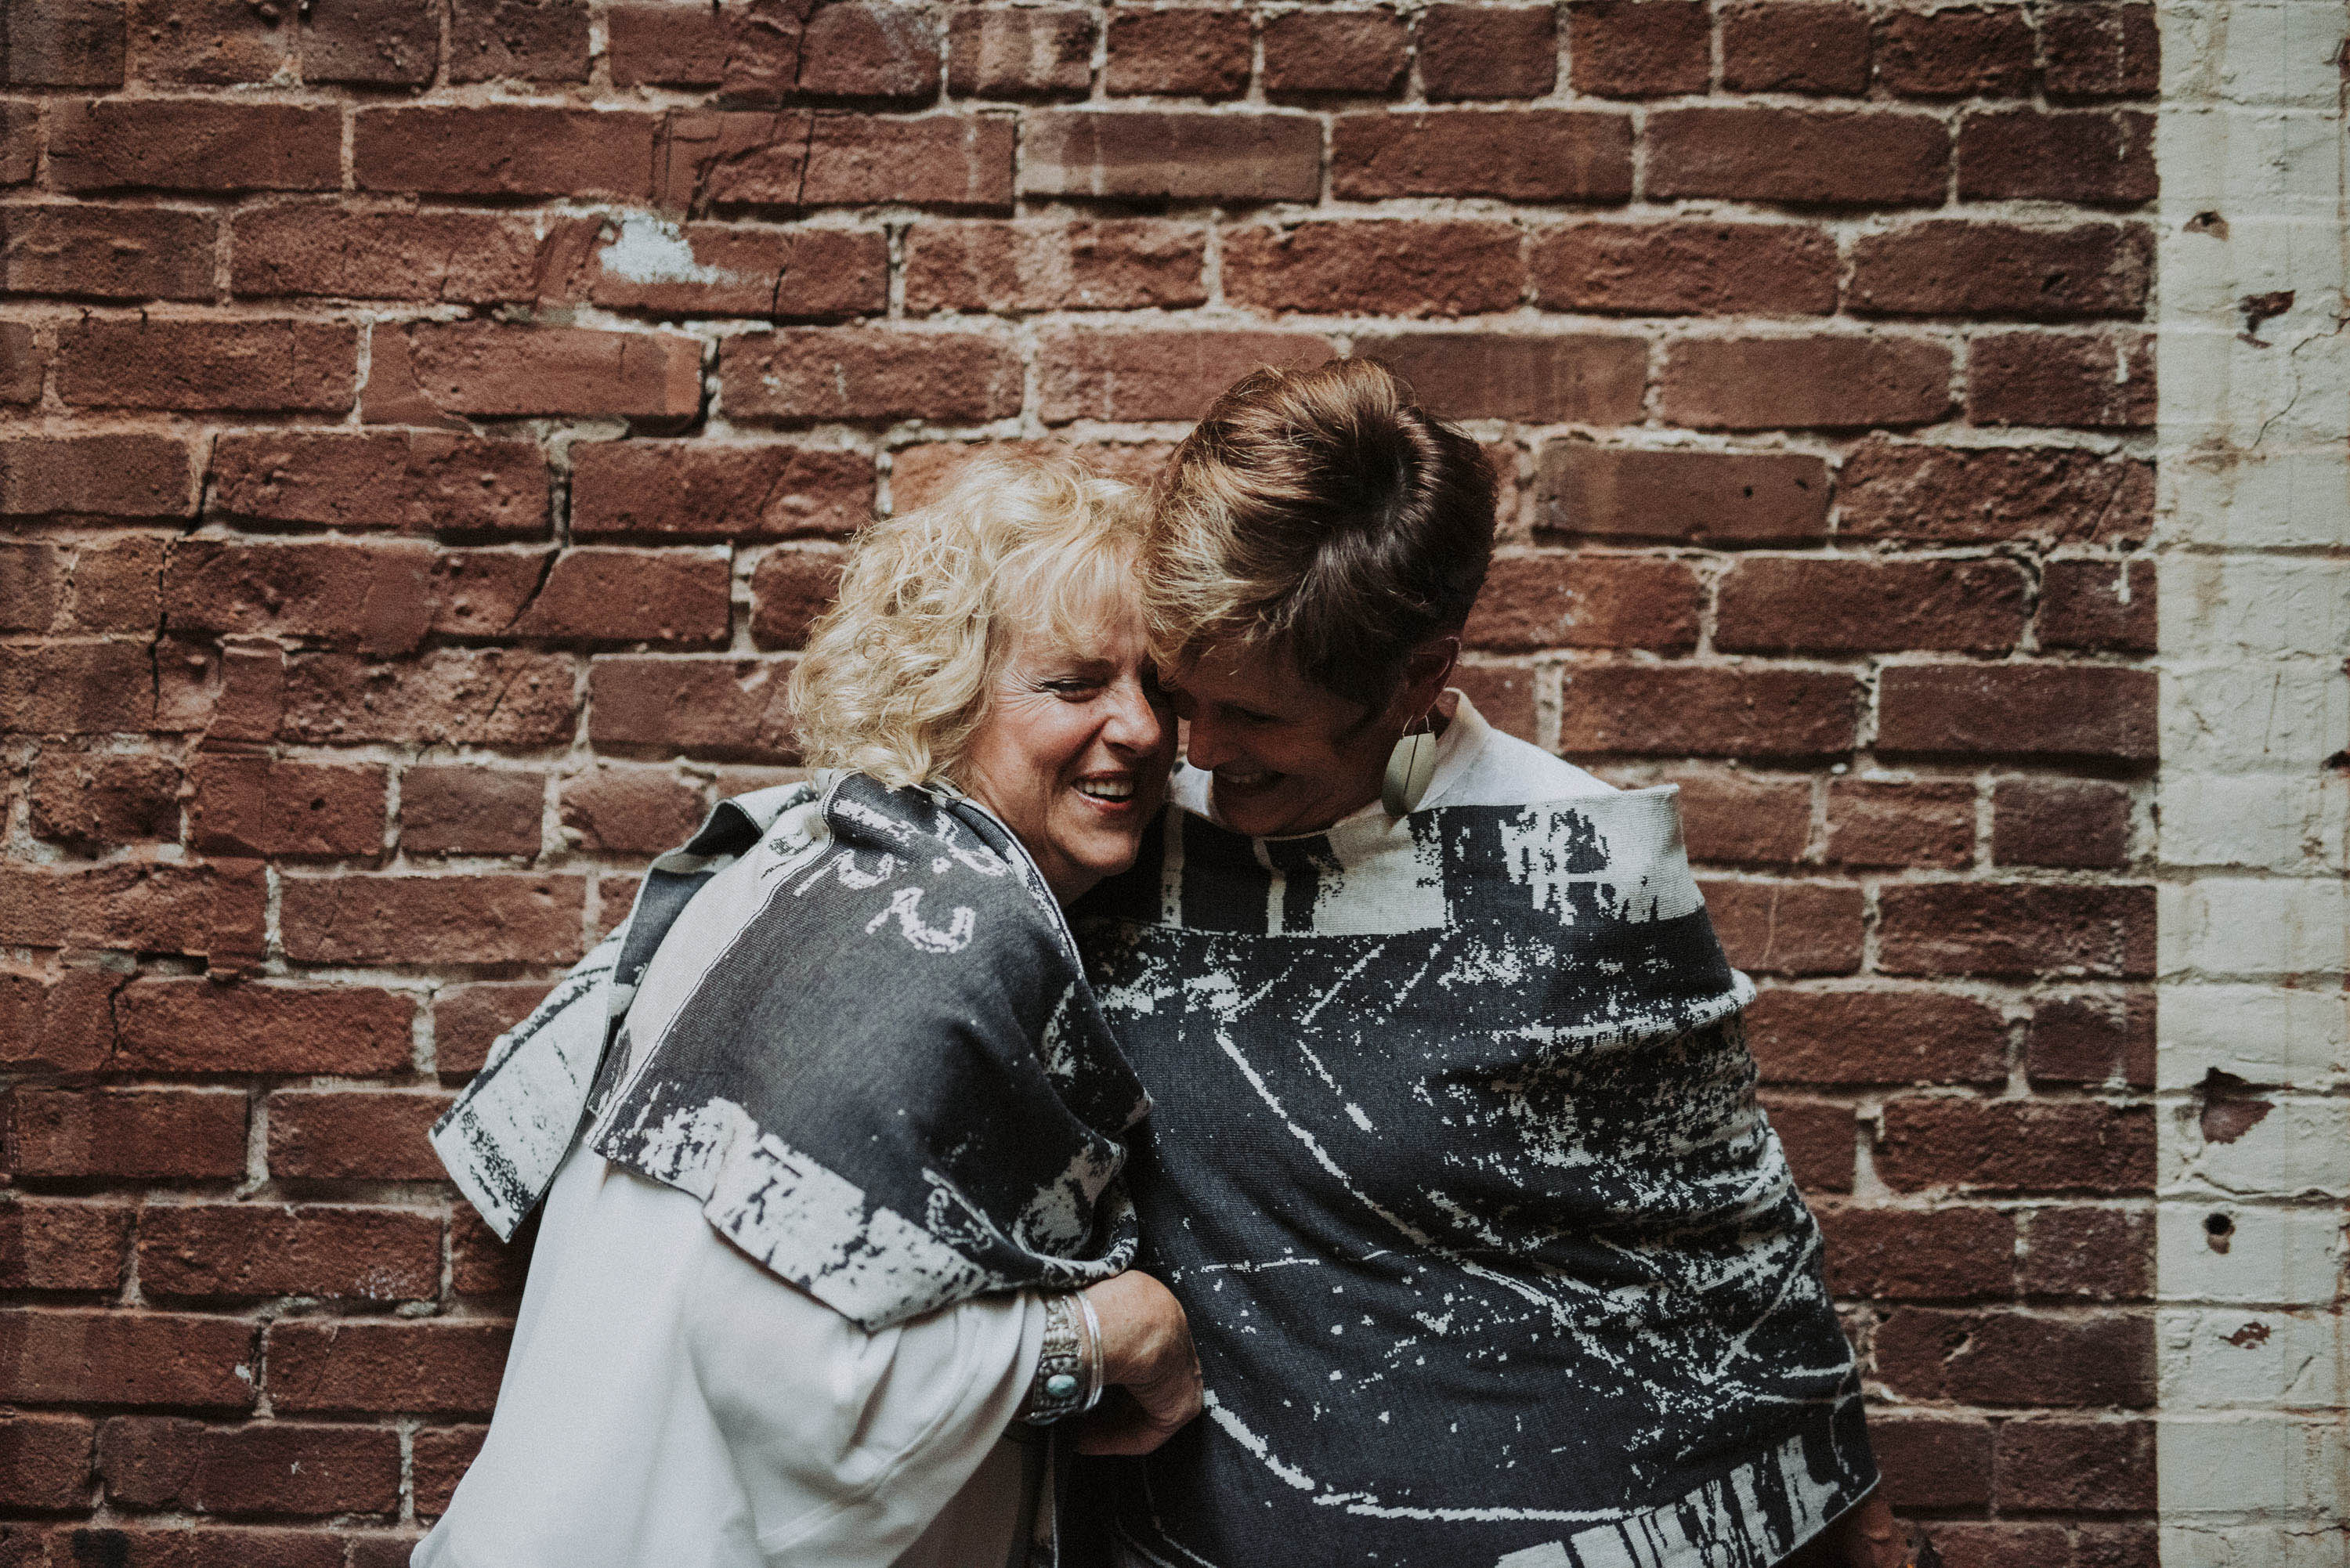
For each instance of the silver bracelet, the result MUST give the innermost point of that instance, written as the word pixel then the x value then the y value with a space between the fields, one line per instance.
pixel 1067 1366
pixel 1093 1358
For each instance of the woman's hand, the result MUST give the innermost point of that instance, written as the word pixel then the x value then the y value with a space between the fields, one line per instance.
pixel 1149 1370
pixel 1871 1537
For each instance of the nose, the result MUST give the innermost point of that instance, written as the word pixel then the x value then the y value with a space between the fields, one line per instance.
pixel 1134 724
pixel 1206 746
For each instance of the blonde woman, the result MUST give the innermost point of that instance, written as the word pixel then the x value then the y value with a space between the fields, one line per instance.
pixel 826 1135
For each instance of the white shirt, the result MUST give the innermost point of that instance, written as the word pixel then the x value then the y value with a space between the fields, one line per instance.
pixel 671 1404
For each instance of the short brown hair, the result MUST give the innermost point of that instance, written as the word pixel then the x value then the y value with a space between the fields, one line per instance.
pixel 1323 514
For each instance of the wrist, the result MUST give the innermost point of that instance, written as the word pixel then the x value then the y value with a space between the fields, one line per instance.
pixel 1067 1380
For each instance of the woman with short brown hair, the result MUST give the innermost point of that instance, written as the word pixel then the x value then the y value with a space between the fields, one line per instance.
pixel 1491 1256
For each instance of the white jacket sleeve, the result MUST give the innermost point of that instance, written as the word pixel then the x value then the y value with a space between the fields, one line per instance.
pixel 848 1445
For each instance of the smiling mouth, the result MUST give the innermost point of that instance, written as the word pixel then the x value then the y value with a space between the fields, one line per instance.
pixel 1106 789
pixel 1240 779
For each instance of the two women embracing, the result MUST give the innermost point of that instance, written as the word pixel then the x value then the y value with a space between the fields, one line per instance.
pixel 1013 1146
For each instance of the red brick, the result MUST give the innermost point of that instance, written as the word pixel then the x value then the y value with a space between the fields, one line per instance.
pixel 453 919
pixel 59 1244
pixel 194 144
pixel 2089 1254
pixel 817 375
pixel 287 810
pixel 2016 1146
pixel 214 1250
pixel 1786 928
pixel 2094 1467
pixel 65 43
pixel 1875 823
pixel 1735 818
pixel 1001 52
pixel 1639 48
pixel 666 45
pixel 1686 268
pixel 116 586
pixel 376 1134
pixel 799 160
pixel 1946 495
pixel 488 368
pixel 82 687
pixel 1191 52
pixel 1171 154
pixel 414 480
pixel 442 1455
pixel 1707 712
pixel 2105 606
pixel 176 1546
pixel 1979 51
pixel 2101 51
pixel 468 1019
pixel 706 490
pixel 606 594
pixel 2060 822
pixel 1862 1037
pixel 2001 270
pixel 1036 264
pixel 1839 382
pixel 1504 694
pixel 807 274
pixel 107 253
pixel 150 1461
pixel 95 800
pixel 869 51
pixel 536 40
pixel 788 590
pixel 1794 45
pixel 921 474
pixel 35 581
pixel 187 1025
pixel 1083 373
pixel 1582 600
pixel 1376 268
pixel 2017 930
pixel 341 593
pixel 45 1462
pixel 456 809
pixel 2098 382
pixel 1818 1138
pixel 2099 160
pixel 629 811
pixel 1315 52
pixel 137 906
pixel 1587 379
pixel 482 1265
pixel 1804 157
pixel 1780 606
pixel 472 258
pixel 371 43
pixel 491 697
pixel 141 1133
pixel 2010 1359
pixel 505 150
pixel 2091 1040
pixel 20 136
pixel 116 1358
pixel 2038 711
pixel 1953 1253
pixel 22 367
pixel 1935 1461
pixel 1524 155
pixel 1679 496
pixel 1488 51
pixel 95 475
pixel 706 706
pixel 254 367
pixel 205 41
pixel 418 1367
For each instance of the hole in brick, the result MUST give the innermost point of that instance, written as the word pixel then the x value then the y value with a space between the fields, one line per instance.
pixel 319 805
pixel 2219 1228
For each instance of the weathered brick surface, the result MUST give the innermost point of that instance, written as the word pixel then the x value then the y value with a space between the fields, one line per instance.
pixel 417 481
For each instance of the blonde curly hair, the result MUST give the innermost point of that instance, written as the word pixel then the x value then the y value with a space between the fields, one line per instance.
pixel 896 675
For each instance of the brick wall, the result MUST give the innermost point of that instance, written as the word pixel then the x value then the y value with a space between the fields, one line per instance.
pixel 426 428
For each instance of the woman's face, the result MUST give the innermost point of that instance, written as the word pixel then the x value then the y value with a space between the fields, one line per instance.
pixel 1289 755
pixel 1075 752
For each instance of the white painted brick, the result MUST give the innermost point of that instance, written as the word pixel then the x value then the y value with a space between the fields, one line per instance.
pixel 2212 1359
pixel 2271 821
pixel 2258 605
pixel 2236 1465
pixel 2233 717
pixel 2301 1148
pixel 2294 390
pixel 2316 1543
pixel 2277 53
pixel 2205 276
pixel 2239 159
pixel 2244 926
pixel 2264 1035
pixel 2275 1257
pixel 2269 498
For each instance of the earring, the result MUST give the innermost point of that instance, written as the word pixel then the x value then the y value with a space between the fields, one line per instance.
pixel 1410 767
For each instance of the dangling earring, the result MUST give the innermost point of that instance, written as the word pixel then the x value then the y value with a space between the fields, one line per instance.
pixel 1410 766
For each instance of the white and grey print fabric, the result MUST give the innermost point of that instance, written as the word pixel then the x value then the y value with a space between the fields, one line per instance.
pixel 866 1043
pixel 1492 1258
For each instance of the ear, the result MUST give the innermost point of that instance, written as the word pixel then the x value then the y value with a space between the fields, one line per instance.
pixel 1425 672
